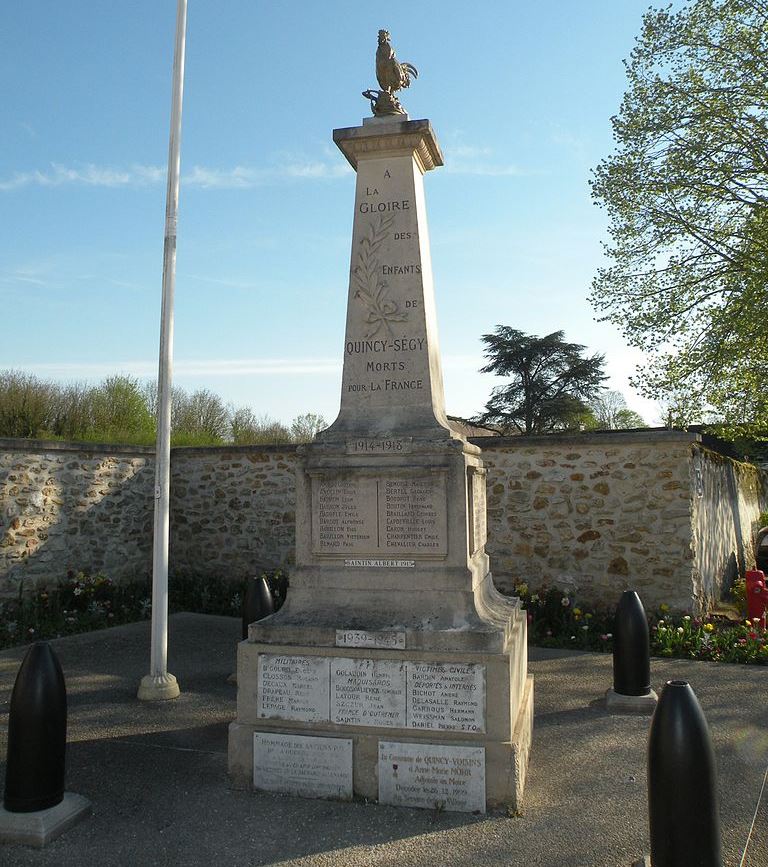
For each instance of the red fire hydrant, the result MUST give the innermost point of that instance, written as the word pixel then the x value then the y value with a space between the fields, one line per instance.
pixel 757 595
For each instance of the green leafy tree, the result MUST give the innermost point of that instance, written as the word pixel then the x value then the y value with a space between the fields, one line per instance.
pixel 610 412
pixel 305 427
pixel 686 192
pixel 550 382
pixel 119 412
pixel 246 428
pixel 199 418
pixel 27 405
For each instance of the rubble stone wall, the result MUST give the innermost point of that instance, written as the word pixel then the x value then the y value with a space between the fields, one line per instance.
pixel 595 513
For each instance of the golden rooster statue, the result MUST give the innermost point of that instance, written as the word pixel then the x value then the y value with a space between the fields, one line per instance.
pixel 392 76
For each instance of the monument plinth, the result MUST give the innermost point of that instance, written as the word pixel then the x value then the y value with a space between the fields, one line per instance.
pixel 394 671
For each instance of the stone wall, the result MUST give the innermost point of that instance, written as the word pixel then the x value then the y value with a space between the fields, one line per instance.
pixel 600 513
pixel 73 506
pixel 232 510
pixel 728 497
pixel 596 513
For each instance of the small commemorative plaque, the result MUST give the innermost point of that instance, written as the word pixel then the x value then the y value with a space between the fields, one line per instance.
pixel 363 638
pixel 310 767
pixel 293 687
pixel 446 696
pixel 368 692
pixel 432 776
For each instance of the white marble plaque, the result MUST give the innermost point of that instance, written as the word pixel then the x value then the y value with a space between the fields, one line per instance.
pixel 432 775
pixel 368 692
pixel 293 687
pixel 446 696
pixel 364 638
pixel 299 765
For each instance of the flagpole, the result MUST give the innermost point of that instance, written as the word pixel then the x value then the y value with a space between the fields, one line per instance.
pixel 159 684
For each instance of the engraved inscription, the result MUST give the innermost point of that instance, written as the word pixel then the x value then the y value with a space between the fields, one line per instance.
pixel 310 767
pixel 364 638
pixel 387 446
pixel 293 687
pixel 384 514
pixel 343 516
pixel 368 692
pixel 432 776
pixel 446 696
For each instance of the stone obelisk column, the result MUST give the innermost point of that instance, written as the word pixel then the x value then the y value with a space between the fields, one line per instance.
pixel 393 653
pixel 392 376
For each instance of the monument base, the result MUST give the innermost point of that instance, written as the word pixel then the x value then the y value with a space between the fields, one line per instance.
pixel 41 826
pixel 401 726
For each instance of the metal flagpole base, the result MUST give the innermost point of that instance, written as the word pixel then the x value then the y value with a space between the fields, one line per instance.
pixel 158 687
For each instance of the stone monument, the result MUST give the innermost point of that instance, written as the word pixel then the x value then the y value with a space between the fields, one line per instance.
pixel 394 671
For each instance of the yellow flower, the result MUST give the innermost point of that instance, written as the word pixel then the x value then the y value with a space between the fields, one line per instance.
pixel 587 615
pixel 522 589
pixel 577 612
pixel 709 627
pixel 663 607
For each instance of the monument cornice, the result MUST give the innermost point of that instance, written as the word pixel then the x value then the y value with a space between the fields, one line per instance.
pixel 388 137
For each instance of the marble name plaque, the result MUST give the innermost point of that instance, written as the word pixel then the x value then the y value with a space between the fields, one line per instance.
pixel 432 776
pixel 368 692
pixel 293 687
pixel 448 696
pixel 310 767
pixel 356 513
pixel 364 638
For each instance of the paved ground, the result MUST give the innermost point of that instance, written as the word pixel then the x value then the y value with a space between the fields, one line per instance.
pixel 157 774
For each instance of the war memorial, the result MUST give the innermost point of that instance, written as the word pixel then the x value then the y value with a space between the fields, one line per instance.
pixel 395 671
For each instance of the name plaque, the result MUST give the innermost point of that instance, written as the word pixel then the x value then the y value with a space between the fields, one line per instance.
pixel 368 692
pixel 379 564
pixel 432 776
pixel 448 696
pixel 362 638
pixel 310 767
pixel 293 687
pixel 357 513
pixel 390 693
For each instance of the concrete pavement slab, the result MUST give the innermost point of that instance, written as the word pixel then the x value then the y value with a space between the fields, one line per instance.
pixel 156 773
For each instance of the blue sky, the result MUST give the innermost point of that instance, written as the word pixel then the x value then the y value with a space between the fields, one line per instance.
pixel 520 95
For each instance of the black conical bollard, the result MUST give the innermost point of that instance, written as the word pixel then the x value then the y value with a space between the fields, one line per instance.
pixel 682 783
pixel 257 602
pixel 37 734
pixel 631 647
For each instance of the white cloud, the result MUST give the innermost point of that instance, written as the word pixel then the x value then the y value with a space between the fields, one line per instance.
pixel 239 177
pixel 185 367
pixel 462 159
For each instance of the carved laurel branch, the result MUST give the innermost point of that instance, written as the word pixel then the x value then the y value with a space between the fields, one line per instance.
pixel 370 289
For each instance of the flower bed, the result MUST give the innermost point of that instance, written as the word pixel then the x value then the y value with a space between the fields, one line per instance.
pixel 556 620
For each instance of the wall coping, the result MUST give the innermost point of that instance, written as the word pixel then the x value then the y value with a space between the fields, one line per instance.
pixel 589 438
pixel 30 445
pixel 584 438
pixel 19 444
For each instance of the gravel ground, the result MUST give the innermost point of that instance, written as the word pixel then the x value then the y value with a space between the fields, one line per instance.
pixel 157 773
